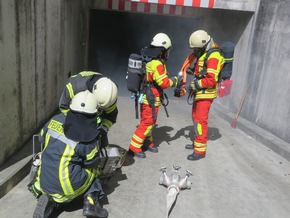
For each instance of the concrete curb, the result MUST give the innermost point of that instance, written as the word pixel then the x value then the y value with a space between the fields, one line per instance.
pixel 271 141
pixel 15 169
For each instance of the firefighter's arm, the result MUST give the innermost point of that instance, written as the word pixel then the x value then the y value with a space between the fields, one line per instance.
pixel 42 133
pixel 109 116
pixel 89 153
pixel 212 71
pixel 65 98
pixel 160 76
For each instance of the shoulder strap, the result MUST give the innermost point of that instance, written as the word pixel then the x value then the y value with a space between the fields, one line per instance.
pixel 210 51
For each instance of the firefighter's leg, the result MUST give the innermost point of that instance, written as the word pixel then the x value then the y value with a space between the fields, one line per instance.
pixel 193 112
pixel 45 204
pixel 144 129
pixel 201 128
pixel 152 148
pixel 92 206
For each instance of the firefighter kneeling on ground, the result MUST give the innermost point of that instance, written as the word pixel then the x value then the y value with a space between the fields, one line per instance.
pixel 70 159
pixel 203 88
pixel 157 80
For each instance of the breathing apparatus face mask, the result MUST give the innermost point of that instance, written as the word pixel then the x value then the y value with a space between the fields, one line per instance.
pixel 165 54
pixel 198 52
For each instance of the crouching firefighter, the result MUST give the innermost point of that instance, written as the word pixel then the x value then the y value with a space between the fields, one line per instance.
pixel 203 88
pixel 156 79
pixel 70 159
pixel 104 90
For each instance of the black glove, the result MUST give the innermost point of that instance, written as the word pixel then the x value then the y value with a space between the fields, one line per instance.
pixel 103 131
pixel 189 71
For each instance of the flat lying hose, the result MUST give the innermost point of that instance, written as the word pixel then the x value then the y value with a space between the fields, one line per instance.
pixel 170 199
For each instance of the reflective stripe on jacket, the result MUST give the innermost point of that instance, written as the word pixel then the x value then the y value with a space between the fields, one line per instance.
pixel 209 84
pixel 63 173
pixel 78 83
pixel 156 74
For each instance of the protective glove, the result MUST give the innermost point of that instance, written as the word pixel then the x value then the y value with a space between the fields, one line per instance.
pixel 175 80
pixel 103 131
pixel 192 86
pixel 189 71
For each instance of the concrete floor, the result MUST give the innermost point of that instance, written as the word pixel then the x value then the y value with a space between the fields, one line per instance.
pixel 240 177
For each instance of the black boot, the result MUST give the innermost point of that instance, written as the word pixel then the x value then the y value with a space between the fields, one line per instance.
pixel 45 207
pixel 140 154
pixel 195 156
pixel 153 149
pixel 92 207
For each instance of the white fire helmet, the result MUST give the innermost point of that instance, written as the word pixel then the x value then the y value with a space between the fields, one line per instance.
pixel 106 92
pixel 84 102
pixel 198 39
pixel 161 40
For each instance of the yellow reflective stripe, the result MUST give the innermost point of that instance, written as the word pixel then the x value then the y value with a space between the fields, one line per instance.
pixel 200 146
pixel 64 198
pixel 206 96
pixel 99 120
pixel 70 90
pixel 160 78
pixel 137 145
pixel 92 154
pixel 157 101
pixel 64 111
pixel 229 59
pixel 197 128
pixel 90 200
pixel 41 132
pixel 171 83
pixel 149 129
pixel 64 172
pixel 88 73
pixel 137 138
pixel 47 137
pixel 111 108
pixel 107 123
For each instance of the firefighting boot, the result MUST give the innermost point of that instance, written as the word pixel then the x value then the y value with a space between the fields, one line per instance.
pixel 44 207
pixel 189 146
pixel 152 148
pixel 137 152
pixel 140 154
pixel 195 156
pixel 92 207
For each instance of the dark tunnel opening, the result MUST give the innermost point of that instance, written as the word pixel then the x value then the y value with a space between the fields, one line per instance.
pixel 113 35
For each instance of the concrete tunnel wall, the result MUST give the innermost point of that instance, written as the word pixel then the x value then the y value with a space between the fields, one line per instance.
pixel 41 41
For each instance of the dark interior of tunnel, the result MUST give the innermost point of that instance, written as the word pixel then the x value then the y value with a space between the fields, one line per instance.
pixel 114 35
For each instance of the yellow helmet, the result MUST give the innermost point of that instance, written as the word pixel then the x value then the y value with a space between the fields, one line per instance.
pixel 198 39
